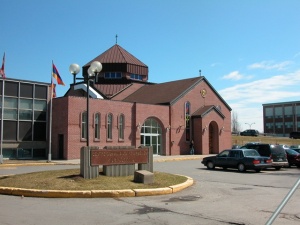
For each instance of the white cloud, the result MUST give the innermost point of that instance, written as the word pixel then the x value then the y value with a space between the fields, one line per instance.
pixel 270 65
pixel 215 64
pixel 235 75
pixel 297 55
pixel 246 99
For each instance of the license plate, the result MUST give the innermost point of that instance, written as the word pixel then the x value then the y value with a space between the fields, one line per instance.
pixel 280 159
pixel 262 161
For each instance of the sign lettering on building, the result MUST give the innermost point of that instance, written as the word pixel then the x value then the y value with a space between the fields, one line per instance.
pixel 118 156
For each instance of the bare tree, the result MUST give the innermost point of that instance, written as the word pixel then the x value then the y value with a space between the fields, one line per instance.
pixel 235 125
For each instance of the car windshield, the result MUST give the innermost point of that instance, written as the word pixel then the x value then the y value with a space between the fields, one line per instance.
pixel 224 154
pixel 291 152
pixel 251 152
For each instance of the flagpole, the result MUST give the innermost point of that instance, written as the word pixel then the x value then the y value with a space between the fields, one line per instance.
pixel 50 117
pixel 2 111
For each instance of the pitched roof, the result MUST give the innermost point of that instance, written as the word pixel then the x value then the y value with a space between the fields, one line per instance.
pixel 164 93
pixel 201 112
pixel 117 54
pixel 110 89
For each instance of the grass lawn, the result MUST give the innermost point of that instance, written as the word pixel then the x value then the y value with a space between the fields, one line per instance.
pixel 71 180
pixel 242 140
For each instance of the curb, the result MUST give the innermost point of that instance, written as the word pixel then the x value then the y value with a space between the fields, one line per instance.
pixel 96 193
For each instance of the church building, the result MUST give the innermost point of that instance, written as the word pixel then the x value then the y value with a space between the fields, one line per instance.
pixel 127 110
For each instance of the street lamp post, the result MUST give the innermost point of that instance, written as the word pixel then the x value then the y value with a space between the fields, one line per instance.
pixel 250 124
pixel 94 68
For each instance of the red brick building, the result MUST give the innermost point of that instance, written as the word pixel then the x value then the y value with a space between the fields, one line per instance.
pixel 127 110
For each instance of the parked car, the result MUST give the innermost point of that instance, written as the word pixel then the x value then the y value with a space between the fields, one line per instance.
pixel 295 135
pixel 276 152
pixel 241 159
pixel 249 132
pixel 235 146
pixel 293 157
pixel 296 149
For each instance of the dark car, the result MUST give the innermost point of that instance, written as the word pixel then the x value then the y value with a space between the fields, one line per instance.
pixel 249 132
pixel 295 135
pixel 241 159
pixel 293 157
pixel 296 148
pixel 275 152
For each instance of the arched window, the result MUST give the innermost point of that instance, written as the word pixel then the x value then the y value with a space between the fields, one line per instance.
pixel 121 127
pixel 109 126
pixel 83 125
pixel 187 112
pixel 97 126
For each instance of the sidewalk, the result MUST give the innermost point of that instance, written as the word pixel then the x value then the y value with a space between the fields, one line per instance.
pixel 77 161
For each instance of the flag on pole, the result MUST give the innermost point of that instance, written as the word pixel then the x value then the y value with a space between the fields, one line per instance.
pixel 53 90
pixel 56 75
pixel 2 72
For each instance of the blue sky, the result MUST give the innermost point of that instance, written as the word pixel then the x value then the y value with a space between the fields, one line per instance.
pixel 248 50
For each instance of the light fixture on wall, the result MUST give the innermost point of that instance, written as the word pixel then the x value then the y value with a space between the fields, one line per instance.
pixel 168 127
pixel 222 129
pixel 205 128
pixel 139 125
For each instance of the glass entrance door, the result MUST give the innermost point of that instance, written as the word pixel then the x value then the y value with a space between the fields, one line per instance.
pixel 152 140
pixel 151 135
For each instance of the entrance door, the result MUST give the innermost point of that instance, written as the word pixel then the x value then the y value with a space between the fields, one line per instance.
pixel 151 135
pixel 61 146
pixel 152 140
pixel 213 138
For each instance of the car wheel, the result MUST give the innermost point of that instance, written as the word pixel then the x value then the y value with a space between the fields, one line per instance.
pixel 210 165
pixel 277 167
pixel 241 167
pixel 257 170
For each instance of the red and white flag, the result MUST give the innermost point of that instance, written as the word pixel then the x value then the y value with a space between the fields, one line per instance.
pixel 2 72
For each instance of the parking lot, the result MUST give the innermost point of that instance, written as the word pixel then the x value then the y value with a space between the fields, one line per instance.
pixel 217 197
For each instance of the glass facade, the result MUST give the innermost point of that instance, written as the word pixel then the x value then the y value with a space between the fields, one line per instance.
pixel 24 106
pixel 281 118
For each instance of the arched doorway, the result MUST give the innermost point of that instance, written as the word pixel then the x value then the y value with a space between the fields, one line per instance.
pixel 151 135
pixel 213 138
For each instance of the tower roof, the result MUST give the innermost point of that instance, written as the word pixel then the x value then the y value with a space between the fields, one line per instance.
pixel 117 54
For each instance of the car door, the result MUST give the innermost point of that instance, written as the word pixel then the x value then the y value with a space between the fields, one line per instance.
pixel 221 159
pixel 233 158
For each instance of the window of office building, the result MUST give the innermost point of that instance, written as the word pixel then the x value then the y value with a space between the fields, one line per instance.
pixel 297 110
pixel 269 112
pixel 288 124
pixel 278 112
pixel 24 117
pixel 288 111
